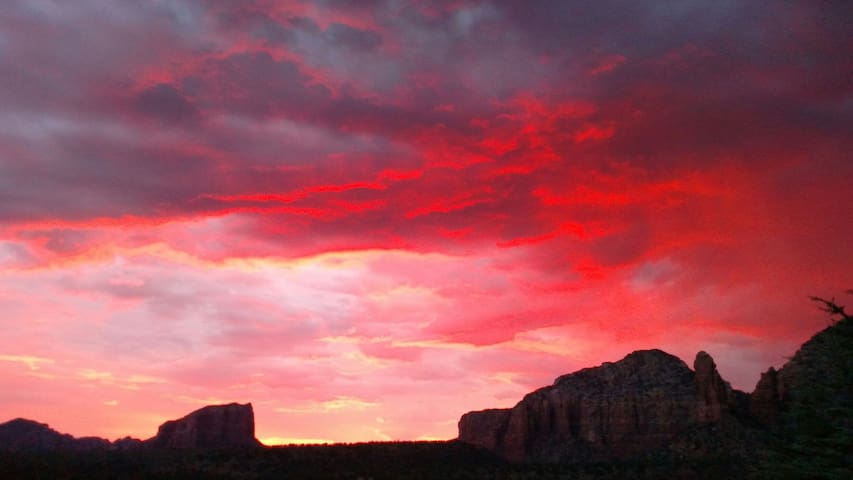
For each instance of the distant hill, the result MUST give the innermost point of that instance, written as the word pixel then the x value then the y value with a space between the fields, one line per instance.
pixel 210 427
pixel 26 435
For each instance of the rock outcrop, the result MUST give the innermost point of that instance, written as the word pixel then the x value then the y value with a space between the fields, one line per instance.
pixel 214 426
pixel 616 410
pixel 713 391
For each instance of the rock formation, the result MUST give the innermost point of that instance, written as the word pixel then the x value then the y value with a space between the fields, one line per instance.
pixel 616 410
pixel 214 426
pixel 713 392
pixel 484 428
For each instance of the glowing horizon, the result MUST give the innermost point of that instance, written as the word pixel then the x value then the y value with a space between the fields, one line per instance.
pixel 370 217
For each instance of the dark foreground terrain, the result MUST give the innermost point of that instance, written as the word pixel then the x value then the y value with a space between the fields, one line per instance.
pixel 413 460
pixel 395 460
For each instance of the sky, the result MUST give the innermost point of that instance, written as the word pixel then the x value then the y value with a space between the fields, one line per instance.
pixel 370 217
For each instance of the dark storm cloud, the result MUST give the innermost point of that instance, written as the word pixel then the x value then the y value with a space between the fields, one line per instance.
pixel 347 36
pixel 445 91
pixel 296 30
pixel 703 77
pixel 257 84
pixel 165 102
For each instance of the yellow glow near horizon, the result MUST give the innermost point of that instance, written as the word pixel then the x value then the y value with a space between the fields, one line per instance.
pixel 278 441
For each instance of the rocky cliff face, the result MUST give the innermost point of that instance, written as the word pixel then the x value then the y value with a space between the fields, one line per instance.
pixel 616 410
pixel 765 406
pixel 484 428
pixel 714 393
pixel 215 426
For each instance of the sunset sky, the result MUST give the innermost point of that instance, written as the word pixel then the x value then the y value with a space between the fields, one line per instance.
pixel 369 217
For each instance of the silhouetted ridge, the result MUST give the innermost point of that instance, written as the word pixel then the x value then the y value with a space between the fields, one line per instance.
pixel 211 427
pixel 21 434
pixel 636 370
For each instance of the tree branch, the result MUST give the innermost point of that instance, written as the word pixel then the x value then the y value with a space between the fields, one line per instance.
pixel 830 307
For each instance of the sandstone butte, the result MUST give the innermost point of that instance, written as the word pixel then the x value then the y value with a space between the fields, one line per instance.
pixel 651 399
pixel 617 409
pixel 214 426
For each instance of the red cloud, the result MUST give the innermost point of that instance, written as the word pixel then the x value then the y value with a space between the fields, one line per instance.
pixel 607 64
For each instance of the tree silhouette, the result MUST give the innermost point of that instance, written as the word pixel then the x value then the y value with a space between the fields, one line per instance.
pixel 832 308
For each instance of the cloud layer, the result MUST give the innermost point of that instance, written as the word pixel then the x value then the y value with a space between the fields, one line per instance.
pixel 370 217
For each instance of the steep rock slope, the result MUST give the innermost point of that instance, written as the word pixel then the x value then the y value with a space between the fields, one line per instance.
pixel 808 404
